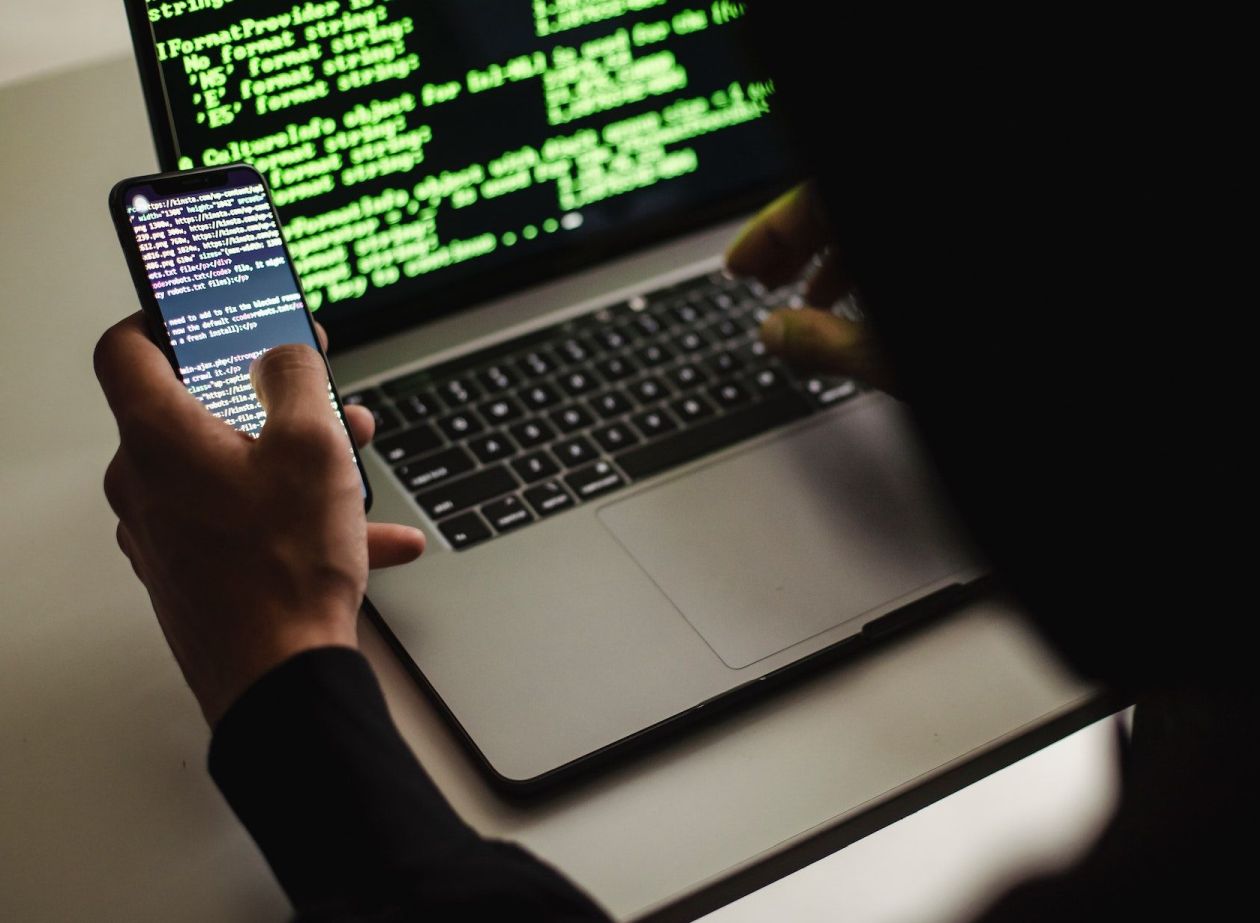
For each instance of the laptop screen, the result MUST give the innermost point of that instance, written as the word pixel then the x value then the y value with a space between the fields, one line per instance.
pixel 423 154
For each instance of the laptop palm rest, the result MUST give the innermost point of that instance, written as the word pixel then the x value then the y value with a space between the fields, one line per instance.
pixel 756 568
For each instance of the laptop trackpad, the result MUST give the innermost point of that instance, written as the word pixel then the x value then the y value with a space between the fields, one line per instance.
pixel 770 547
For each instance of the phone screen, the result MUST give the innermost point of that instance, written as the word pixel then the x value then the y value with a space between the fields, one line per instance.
pixel 210 249
pixel 218 270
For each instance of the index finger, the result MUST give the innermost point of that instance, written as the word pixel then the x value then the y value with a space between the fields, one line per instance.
pixel 135 375
pixel 784 236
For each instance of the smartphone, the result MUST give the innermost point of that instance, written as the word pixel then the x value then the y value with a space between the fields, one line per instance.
pixel 217 284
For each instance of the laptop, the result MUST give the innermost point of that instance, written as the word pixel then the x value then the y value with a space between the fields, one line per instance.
pixel 510 216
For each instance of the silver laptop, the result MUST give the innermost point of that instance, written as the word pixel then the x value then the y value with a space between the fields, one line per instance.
pixel 514 213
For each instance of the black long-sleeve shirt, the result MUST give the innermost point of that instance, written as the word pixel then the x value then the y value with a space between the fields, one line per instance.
pixel 353 827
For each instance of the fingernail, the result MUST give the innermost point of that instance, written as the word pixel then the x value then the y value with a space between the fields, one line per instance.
pixel 773 332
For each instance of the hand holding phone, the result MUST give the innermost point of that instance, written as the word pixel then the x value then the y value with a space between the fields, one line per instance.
pixel 253 546
pixel 216 282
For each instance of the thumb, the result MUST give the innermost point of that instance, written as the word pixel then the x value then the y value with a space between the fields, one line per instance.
pixel 291 382
pixel 817 341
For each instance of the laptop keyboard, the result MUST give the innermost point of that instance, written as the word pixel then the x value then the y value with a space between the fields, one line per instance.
pixel 498 439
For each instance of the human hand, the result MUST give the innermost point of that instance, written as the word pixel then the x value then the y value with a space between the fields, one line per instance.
pixel 775 247
pixel 252 550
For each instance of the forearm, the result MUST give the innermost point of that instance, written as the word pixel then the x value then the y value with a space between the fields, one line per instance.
pixel 312 764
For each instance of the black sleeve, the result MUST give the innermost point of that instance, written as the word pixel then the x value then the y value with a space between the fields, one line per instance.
pixel 1175 849
pixel 352 826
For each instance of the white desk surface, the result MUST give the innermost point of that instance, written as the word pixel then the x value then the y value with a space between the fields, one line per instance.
pixel 105 806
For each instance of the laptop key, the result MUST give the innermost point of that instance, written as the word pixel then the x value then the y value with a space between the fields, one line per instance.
pixel 654 354
pixel 464 531
pixel 418 407
pixel 570 418
pixel 492 447
pixel 711 435
pixel 729 394
pixel 496 378
pixel 611 404
pixel 460 425
pixel 579 382
pixel 690 409
pixel 501 410
pixel 535 466
pixel 645 325
pixel 723 364
pixel 532 433
pixel 650 389
pixel 454 496
pixel 616 368
pixel 574 451
pixel 574 350
pixel 536 364
pixel 593 480
pixel 433 468
pixel 686 313
pixel 539 396
pixel 611 339
pixel 548 498
pixel 654 423
pixel 827 391
pixel 409 443
pixel 507 514
pixel 690 342
pixel 458 391
pixel 769 380
pixel 752 351
pixel 662 309
pixel 386 418
pixel 687 376
pixel 368 397
pixel 615 437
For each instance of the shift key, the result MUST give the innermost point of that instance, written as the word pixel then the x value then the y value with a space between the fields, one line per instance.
pixel 454 496
pixel 593 480
pixel 428 470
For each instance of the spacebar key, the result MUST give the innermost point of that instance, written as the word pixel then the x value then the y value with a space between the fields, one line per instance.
pixel 708 437
pixel 454 496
